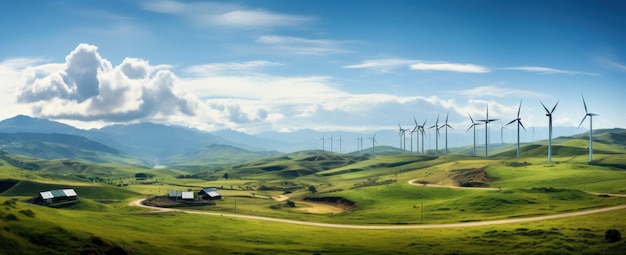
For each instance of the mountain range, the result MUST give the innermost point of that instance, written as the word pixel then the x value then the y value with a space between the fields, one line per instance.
pixel 151 144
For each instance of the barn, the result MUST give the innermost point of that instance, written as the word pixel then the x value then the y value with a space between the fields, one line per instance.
pixel 55 196
pixel 210 193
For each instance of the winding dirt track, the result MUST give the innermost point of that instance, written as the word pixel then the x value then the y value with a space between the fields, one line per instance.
pixel 422 226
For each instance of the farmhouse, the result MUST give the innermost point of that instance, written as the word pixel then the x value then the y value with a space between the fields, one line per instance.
pixel 55 196
pixel 210 193
pixel 178 194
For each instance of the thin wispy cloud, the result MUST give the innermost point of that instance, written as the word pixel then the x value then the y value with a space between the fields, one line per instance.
pixel 495 91
pixel 230 68
pixel 450 67
pixel 547 70
pixel 382 65
pixel 302 46
pixel 227 15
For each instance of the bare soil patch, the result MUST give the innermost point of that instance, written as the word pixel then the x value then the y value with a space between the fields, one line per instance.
pixel 473 177
pixel 339 202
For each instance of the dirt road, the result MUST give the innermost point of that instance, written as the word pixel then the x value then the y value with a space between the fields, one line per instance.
pixel 424 226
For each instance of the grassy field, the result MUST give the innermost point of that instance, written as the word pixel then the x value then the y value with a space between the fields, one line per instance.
pixel 377 186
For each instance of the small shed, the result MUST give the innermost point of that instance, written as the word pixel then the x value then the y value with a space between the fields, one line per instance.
pixel 210 193
pixel 57 195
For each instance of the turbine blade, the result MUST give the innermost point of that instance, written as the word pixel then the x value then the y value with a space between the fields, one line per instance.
pixel 544 107
pixel 447 114
pixel 414 120
pixel 424 123
pixel 520 123
pixel 511 122
pixel 584 103
pixel 470 127
pixel 519 108
pixel 470 117
pixel 437 121
pixel 581 122
pixel 554 108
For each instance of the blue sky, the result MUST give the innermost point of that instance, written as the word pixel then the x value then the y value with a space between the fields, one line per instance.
pixel 360 66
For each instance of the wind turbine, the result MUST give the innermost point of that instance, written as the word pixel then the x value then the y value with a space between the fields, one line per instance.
pixel 340 142
pixel 373 138
pixel 436 126
pixel 549 114
pixel 446 126
pixel 421 128
pixel 474 124
pixel 323 145
pixel 486 121
pixel 331 143
pixel 402 136
pixel 587 113
pixel 417 141
pixel 519 123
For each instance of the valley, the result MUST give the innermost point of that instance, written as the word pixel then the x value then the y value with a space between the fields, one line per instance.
pixel 310 202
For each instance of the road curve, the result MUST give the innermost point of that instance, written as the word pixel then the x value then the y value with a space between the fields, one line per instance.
pixel 382 227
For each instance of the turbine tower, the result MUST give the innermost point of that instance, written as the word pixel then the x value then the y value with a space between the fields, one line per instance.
pixel 323 143
pixel 474 124
pixel 501 133
pixel 549 114
pixel 340 142
pixel 373 138
pixel 331 143
pixel 417 137
pixel 486 121
pixel 587 113
pixel 436 126
pixel 446 126
pixel 519 123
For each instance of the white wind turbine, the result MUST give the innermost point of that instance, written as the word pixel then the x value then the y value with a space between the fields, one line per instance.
pixel 486 121
pixel 402 137
pixel 587 113
pixel 422 130
pixel 323 143
pixel 446 126
pixel 549 114
pixel 519 123
pixel 474 124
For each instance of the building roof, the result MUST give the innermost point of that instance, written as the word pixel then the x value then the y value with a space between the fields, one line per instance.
pixel 187 195
pixel 175 193
pixel 58 193
pixel 211 192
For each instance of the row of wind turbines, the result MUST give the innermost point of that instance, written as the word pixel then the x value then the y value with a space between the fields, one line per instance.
pixel 420 129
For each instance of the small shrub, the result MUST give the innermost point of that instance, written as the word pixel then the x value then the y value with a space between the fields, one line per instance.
pixel 28 213
pixel 11 217
pixel 612 235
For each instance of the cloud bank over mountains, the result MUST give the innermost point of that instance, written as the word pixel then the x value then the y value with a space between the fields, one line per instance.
pixel 87 88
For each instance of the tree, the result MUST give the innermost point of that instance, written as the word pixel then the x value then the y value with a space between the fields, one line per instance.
pixel 612 235
pixel 312 189
pixel 225 176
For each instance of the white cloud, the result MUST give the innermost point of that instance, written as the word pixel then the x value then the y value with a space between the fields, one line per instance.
pixel 87 87
pixel 302 46
pixel 450 67
pixel 383 65
pixel 495 91
pixel 227 15
pixel 546 70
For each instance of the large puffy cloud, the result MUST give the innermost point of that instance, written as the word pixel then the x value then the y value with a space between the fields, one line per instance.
pixel 87 87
